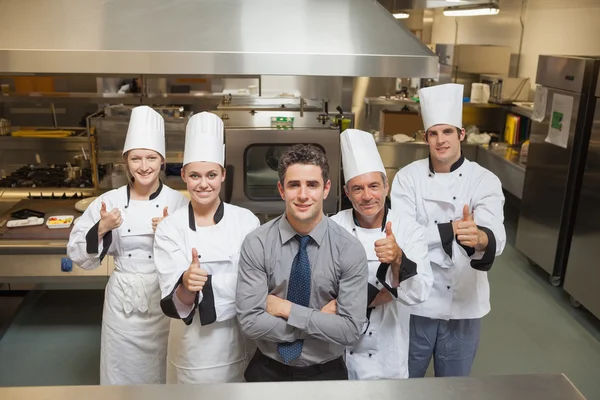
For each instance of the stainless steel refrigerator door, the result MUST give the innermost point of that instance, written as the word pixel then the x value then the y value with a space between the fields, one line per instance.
pixel 582 279
pixel 544 189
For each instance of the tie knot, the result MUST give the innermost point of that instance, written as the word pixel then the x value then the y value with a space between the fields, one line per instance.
pixel 303 240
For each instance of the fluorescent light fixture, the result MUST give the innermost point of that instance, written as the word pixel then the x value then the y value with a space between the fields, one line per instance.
pixel 401 15
pixel 484 9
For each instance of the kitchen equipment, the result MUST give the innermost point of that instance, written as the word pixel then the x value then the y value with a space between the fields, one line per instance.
pixel 51 176
pixel 252 156
pixel 41 133
pixel 22 223
pixel 82 205
pixel 27 213
pixel 480 93
pixel 558 146
pixel 505 90
pixel 583 272
pixel 81 162
pixel 464 63
pixel 60 221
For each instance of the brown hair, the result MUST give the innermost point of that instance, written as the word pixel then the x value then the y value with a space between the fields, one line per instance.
pixel 306 154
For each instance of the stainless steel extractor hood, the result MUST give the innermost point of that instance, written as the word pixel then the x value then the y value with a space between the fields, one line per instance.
pixel 225 37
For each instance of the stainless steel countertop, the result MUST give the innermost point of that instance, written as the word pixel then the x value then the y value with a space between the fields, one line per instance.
pixel 507 154
pixel 518 387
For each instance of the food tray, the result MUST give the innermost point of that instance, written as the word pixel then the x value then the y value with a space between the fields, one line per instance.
pixel 20 223
pixel 60 221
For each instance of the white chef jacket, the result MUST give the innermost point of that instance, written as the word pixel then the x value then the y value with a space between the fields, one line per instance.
pixel 134 330
pixel 460 287
pixel 206 344
pixel 381 352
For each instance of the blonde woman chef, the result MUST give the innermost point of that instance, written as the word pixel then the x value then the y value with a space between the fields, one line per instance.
pixel 121 223
pixel 197 251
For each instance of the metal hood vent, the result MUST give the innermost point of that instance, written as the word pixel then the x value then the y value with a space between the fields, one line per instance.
pixel 224 37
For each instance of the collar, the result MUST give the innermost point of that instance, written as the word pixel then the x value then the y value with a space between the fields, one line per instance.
pixel 286 232
pixel 217 217
pixel 454 166
pixel 385 215
pixel 152 196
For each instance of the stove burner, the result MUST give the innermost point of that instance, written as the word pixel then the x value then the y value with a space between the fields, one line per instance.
pixel 50 176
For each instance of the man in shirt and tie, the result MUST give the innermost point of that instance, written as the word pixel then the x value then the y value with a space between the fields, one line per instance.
pixel 302 283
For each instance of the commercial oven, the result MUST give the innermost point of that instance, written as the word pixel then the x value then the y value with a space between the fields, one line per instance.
pixel 253 148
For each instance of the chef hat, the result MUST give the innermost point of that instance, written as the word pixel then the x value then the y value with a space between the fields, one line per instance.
pixel 359 154
pixel 442 104
pixel 204 139
pixel 146 131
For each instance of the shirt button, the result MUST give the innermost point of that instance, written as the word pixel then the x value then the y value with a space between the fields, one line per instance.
pixel 157 206
pixel 370 333
pixel 459 174
pixel 430 175
pixel 129 255
pixel 448 287
pixel 128 230
pixel 149 256
pixel 454 198
pixel 126 206
pixel 435 222
pixel 351 352
pixel 377 283
pixel 370 355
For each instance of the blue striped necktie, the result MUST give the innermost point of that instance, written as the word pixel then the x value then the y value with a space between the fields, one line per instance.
pixel 298 293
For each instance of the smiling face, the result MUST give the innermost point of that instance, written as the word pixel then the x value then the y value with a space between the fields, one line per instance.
pixel 303 191
pixel 444 143
pixel 144 166
pixel 367 193
pixel 203 180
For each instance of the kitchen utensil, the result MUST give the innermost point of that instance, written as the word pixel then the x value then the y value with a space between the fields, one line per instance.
pixel 60 221
pixel 27 213
pixel 82 205
pixel 20 223
pixel 81 161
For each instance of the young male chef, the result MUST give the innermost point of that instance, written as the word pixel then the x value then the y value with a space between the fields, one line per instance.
pixel 382 350
pixel 460 204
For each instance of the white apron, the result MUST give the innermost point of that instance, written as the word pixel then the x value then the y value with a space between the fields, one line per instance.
pixel 134 329
pixel 217 352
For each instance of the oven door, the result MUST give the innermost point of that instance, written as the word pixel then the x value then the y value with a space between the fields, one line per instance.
pixel 252 156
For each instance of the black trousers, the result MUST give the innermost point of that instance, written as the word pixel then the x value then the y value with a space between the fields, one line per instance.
pixel 265 369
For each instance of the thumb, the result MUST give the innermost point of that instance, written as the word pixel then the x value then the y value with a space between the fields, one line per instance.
pixel 466 215
pixel 165 212
pixel 195 260
pixel 103 208
pixel 388 229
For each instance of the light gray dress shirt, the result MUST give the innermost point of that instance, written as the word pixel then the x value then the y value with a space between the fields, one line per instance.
pixel 339 270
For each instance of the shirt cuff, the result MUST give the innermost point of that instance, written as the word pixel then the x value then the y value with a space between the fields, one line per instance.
pixel 299 316
pixel 489 255
pixel 183 310
pixel 93 246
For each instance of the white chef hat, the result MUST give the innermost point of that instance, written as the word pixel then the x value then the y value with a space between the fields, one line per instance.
pixel 146 131
pixel 359 154
pixel 204 139
pixel 442 104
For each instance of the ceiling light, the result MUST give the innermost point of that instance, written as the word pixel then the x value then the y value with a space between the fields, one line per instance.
pixel 401 15
pixel 484 9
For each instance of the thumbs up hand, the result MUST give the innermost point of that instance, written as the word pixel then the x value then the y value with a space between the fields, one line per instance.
pixel 195 277
pixel 157 220
pixel 388 252
pixel 467 232
pixel 109 220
